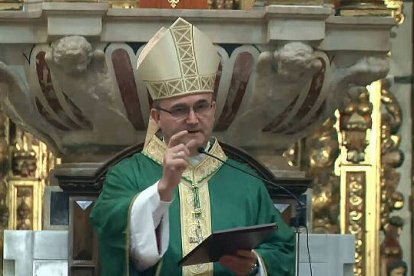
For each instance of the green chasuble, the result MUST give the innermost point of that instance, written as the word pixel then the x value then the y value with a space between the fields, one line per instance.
pixel 210 197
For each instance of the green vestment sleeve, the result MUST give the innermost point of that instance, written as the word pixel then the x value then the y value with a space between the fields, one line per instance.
pixel 278 252
pixel 110 216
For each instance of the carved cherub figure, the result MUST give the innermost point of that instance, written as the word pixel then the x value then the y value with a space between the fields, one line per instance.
pixel 281 76
pixel 296 60
pixel 80 73
pixel 73 55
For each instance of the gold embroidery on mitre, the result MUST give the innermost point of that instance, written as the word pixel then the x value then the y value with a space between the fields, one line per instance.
pixel 174 87
pixel 189 54
pixel 182 33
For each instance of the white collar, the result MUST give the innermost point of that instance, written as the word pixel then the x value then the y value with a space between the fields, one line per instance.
pixel 196 159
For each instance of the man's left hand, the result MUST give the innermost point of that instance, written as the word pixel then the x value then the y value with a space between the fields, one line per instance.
pixel 241 263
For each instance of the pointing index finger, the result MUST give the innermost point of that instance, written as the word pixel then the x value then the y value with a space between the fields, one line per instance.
pixel 176 138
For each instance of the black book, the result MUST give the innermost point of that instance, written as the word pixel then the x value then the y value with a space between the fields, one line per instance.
pixel 227 242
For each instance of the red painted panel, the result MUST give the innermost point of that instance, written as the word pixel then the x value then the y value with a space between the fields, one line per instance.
pixel 127 87
pixel 46 85
pixel 242 71
pixel 312 97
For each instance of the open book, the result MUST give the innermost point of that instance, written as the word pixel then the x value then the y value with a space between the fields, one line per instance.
pixel 227 242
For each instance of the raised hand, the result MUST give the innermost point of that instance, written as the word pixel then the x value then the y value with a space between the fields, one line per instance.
pixel 174 164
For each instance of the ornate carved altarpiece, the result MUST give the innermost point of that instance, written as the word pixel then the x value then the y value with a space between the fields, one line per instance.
pixel 66 90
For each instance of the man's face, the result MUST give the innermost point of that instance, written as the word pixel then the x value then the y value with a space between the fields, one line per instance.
pixel 199 121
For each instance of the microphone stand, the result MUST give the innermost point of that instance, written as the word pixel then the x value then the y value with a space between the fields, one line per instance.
pixel 297 235
pixel 299 208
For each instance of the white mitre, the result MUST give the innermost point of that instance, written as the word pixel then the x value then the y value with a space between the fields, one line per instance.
pixel 178 61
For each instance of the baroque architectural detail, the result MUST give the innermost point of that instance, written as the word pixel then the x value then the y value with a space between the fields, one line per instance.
pixel 23 174
pixel 24 160
pixel 80 77
pixel 397 8
pixel 365 114
pixel 74 99
pixel 391 250
pixel 281 82
pixel 295 80
pixel 68 91
pixel 30 164
pixel 359 169
pixel 290 69
pixel 391 158
pixel 355 207
pixel 355 121
pixel 321 151
pixel 24 209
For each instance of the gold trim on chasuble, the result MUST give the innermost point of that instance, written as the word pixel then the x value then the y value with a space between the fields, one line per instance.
pixel 195 211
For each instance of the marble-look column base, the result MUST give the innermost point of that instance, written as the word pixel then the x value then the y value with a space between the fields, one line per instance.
pixel 40 253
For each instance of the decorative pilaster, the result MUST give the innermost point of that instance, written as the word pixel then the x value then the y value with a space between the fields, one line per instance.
pixel 321 149
pixel 24 167
pixel 360 172
pixel 30 165
pixel 362 187
pixel 391 159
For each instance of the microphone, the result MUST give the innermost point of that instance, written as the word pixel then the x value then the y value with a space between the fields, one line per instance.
pixel 299 208
pixel 301 205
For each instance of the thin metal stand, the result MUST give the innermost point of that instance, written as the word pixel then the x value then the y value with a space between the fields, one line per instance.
pixel 297 235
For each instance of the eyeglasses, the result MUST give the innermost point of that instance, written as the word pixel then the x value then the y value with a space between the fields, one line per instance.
pixel 182 111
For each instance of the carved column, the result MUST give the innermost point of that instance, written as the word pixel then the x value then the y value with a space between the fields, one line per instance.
pixel 360 175
pixel 391 159
pixel 24 166
pixel 320 151
pixel 362 187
